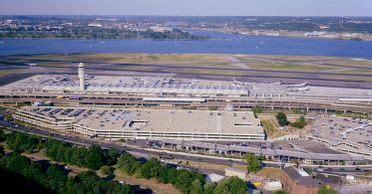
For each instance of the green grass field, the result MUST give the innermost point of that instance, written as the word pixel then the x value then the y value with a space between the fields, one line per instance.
pixel 233 65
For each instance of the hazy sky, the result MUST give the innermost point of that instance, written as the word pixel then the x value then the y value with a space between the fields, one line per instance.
pixel 189 7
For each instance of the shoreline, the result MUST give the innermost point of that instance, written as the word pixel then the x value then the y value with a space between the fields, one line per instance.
pixel 283 35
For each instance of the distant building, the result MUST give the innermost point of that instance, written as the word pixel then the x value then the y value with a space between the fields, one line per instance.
pixel 315 34
pixel 95 25
pixel 299 181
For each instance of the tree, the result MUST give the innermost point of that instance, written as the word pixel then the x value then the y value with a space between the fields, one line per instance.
pixel 20 142
pixel 233 185
pixel 221 189
pixel 163 174
pixel 237 185
pixel 183 181
pixel 196 187
pixel 327 190
pixel 94 157
pixel 55 178
pixel 2 135
pixel 209 187
pixel 17 163
pixel 300 123
pixel 107 170
pixel 256 110
pixel 302 119
pixel 282 119
pixel 172 172
pixel 150 169
pixel 89 182
pixel 254 163
pixel 280 192
pixel 78 155
pixel 111 156
pixel 128 163
pixel 68 156
pixel 2 153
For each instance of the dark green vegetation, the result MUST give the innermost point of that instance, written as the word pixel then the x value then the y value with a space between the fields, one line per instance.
pixel 152 168
pixel 23 184
pixel 93 157
pixel 299 111
pixel 97 33
pixel 186 181
pixel 20 142
pixel 2 135
pixel 107 170
pixel 300 123
pixel 233 185
pixel 54 179
pixel 257 110
pixel 281 192
pixel 2 153
pixel 254 162
pixel 282 119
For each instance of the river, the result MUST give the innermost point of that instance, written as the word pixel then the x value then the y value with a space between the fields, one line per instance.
pixel 221 43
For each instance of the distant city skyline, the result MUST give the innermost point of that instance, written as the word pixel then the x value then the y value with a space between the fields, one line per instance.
pixel 189 7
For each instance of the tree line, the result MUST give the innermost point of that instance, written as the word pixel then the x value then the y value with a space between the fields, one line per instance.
pixel 47 178
pixel 82 32
pixel 190 182
pixel 55 180
pixel 94 158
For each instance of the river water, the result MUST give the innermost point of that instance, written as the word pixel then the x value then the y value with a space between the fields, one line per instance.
pixel 221 43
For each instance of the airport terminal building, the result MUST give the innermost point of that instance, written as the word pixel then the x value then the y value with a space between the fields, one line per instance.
pixel 160 92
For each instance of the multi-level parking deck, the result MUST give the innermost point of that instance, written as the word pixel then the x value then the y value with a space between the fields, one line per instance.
pixel 116 124
pixel 351 135
pixel 46 118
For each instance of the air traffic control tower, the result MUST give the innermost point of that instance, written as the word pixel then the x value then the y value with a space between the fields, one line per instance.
pixel 81 76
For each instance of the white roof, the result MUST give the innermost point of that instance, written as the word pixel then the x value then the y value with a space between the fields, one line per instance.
pixel 302 172
pixel 214 177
